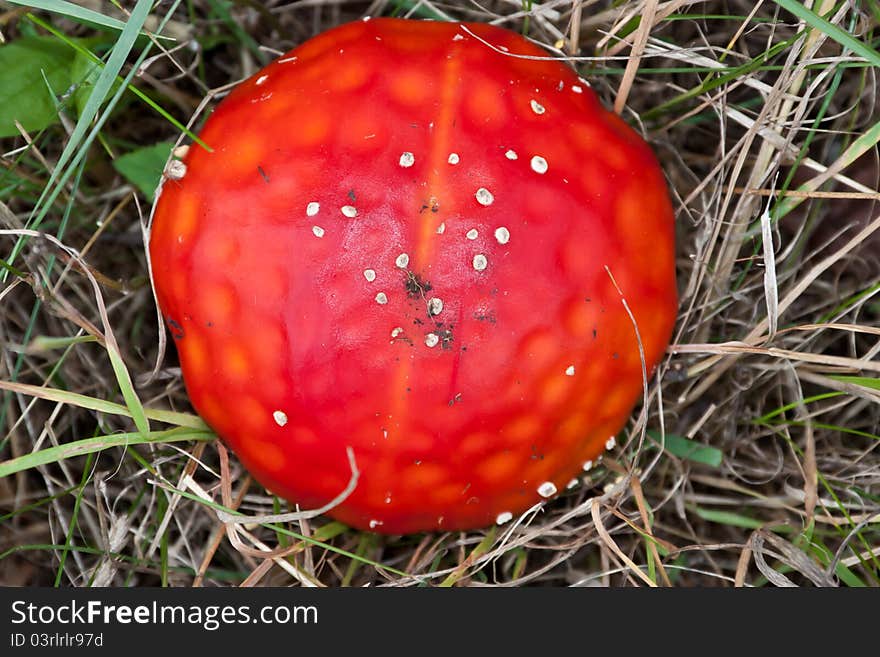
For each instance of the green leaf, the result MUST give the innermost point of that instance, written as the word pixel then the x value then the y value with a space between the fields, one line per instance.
pixel 144 166
pixel 23 93
pixel 687 449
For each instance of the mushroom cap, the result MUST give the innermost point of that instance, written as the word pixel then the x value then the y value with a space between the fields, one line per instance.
pixel 407 240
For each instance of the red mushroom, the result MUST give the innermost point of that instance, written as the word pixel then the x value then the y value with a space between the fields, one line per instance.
pixel 408 240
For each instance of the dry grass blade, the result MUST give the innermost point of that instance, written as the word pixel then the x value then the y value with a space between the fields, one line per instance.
pixel 771 290
pixel 632 65
pixel 739 349
pixel 639 496
pixel 803 284
pixel 787 554
pixel 606 537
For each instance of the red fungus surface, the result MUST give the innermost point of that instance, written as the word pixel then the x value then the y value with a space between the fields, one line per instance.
pixel 403 243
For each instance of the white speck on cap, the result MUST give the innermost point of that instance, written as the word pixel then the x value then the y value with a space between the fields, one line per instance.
pixel 472 234
pixel 547 489
pixel 577 89
pixel 480 262
pixel 432 340
pixel 537 107
pixel 349 211
pixel 402 261
pixel 435 306
pixel 502 235
pixel 407 159
pixel 539 164
pixel 503 518
pixel 280 418
pixel 176 170
pixel 457 37
pixel 484 196
pixel 610 443
pixel 381 298
pixel 262 79
pixel 572 484
pixel 511 154
pixel 588 465
pixel 453 158
pixel 441 228
pixel 370 275
pixel 318 231
pixel 313 208
pixel 569 371
pixel 375 523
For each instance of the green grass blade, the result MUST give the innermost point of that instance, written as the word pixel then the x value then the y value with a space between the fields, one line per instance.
pixel 77 145
pixel 765 419
pixel 832 31
pixel 97 444
pixel 729 518
pixel 85 52
pixel 870 382
pixel 849 303
pixel 482 548
pixel 221 9
pixel 68 540
pixel 75 12
pixel 233 577
pixel 75 151
pixel 283 530
pixel 36 505
pixel 848 577
pixel 123 378
pixel 43 343
pixel 859 147
pixel 102 406
pixel 687 449
pixel 829 427
pixel 714 82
